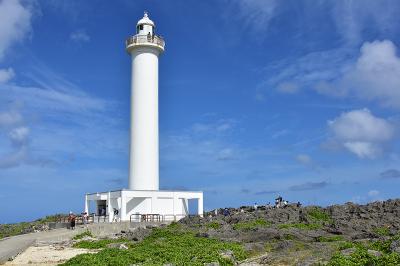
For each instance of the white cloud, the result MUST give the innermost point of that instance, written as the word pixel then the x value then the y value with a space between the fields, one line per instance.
pixel 6 74
pixel 9 118
pixel 226 154
pixel 79 36
pixel 361 133
pixel 352 18
pixel 376 74
pixel 15 24
pixel 304 159
pixel 288 87
pixel 19 135
pixel 256 14
pixel 373 193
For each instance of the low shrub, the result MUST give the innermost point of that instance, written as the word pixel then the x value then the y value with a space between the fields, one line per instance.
pixel 361 257
pixel 165 246
pixel 318 215
pixel 249 225
pixel 98 244
pixel 82 235
pixel 213 225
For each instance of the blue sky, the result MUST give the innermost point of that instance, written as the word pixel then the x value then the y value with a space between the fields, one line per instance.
pixel 257 99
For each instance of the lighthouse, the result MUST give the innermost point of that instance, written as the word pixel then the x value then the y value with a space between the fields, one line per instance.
pixel 143 198
pixel 144 48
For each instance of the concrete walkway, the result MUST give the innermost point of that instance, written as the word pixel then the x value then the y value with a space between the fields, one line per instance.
pixel 12 246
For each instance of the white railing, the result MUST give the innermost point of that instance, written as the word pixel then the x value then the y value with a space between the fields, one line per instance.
pixel 143 39
pixel 137 217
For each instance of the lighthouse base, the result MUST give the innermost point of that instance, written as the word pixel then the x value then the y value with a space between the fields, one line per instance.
pixel 139 205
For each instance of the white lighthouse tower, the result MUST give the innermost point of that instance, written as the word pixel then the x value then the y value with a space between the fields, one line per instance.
pixel 145 48
pixel 143 197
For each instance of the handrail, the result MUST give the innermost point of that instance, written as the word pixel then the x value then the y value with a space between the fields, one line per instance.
pixel 143 39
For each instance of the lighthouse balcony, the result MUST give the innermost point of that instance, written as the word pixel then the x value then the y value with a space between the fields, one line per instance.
pixel 145 40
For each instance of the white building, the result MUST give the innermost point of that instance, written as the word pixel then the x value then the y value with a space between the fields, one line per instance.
pixel 143 195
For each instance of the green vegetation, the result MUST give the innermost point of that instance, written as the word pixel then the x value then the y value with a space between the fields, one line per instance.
pixel 213 225
pixel 329 238
pixel 82 235
pixel 361 257
pixel 164 246
pixel 300 226
pixel 317 215
pixel 345 245
pixel 98 244
pixel 382 231
pixel 249 225
pixel 7 230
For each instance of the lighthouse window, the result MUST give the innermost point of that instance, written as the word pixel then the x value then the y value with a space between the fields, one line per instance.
pixel 141 27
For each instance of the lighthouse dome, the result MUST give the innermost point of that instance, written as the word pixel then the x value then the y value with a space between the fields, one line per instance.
pixel 145 26
pixel 145 20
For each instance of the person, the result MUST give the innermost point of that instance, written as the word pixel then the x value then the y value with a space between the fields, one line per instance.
pixel 216 212
pixel 148 36
pixel 115 218
pixel 71 220
pixel 103 212
pixel 285 203
pixel 255 206
pixel 226 212
pixel 298 204
pixel 85 218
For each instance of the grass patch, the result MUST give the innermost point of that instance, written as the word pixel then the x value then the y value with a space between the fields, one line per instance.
pixel 345 245
pixel 249 225
pixel 302 226
pixel 82 235
pixel 98 244
pixel 213 225
pixel 164 246
pixel 361 257
pixel 382 231
pixel 329 238
pixel 317 215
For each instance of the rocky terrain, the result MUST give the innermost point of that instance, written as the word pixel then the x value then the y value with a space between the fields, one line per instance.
pixel 348 234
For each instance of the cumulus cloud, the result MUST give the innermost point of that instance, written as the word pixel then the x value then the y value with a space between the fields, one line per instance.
pixel 6 74
pixel 15 23
pixel 79 36
pixel 361 133
pixel 376 74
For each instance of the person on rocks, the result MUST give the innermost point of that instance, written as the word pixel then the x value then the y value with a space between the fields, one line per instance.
pixel 71 220
pixel 226 212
